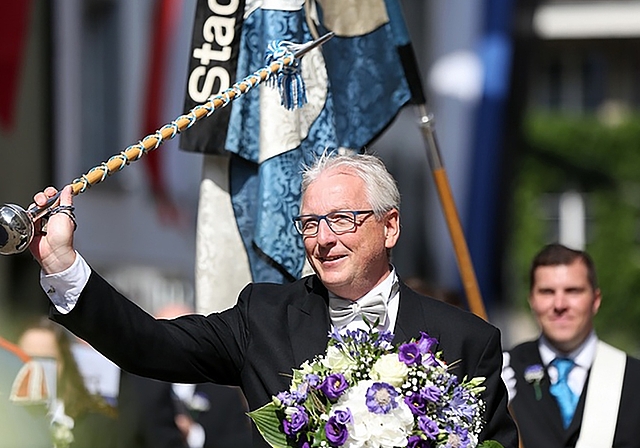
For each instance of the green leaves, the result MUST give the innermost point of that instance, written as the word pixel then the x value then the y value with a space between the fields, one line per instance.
pixel 268 424
pixel 490 444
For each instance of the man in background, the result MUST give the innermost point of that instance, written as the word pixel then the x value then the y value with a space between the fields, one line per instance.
pixel 23 395
pixel 568 387
pixel 157 414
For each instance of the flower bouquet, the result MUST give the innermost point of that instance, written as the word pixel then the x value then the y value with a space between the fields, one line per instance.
pixel 363 392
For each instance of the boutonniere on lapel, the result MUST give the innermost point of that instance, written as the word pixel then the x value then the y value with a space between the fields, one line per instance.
pixel 533 375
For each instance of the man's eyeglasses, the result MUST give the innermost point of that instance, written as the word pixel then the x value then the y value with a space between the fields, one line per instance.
pixel 339 222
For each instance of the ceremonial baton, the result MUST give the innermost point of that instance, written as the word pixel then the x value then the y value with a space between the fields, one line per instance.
pixel 17 224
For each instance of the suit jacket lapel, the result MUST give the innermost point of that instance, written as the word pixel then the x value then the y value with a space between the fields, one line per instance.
pixel 309 325
pixel 409 323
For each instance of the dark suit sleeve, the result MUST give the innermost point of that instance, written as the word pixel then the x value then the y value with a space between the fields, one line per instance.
pixel 189 349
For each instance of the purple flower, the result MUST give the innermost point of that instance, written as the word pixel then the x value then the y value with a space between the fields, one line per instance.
pixel 460 405
pixel 303 441
pixel 431 393
pixel 301 393
pixel 343 417
pixel 336 335
pixel 333 386
pixel 428 426
pixel 287 398
pixel 451 382
pixel 336 427
pixel 409 354
pixel 296 419
pixel 429 360
pixel 381 398
pixel 458 438
pixel 384 338
pixel 312 379
pixel 426 343
pixel 418 442
pixel 416 403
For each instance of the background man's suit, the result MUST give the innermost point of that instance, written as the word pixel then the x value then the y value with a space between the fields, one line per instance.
pixel 532 414
pixel 147 410
pixel 225 423
pixel 146 414
pixel 271 330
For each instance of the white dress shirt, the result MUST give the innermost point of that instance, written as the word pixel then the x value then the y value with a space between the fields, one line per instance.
pixel 583 358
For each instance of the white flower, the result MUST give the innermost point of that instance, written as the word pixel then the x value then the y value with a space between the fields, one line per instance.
pixel 389 369
pixel 62 435
pixel 337 360
pixel 61 425
pixel 534 373
pixel 372 430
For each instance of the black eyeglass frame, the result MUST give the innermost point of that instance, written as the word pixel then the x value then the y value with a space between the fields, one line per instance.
pixel 297 221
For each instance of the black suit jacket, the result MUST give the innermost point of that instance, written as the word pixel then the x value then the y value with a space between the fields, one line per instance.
pixel 540 422
pixel 273 329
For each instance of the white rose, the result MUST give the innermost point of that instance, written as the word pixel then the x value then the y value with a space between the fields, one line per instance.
pixel 374 430
pixel 389 369
pixel 337 360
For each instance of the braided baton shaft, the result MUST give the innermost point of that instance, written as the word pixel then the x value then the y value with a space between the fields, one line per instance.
pixel 152 141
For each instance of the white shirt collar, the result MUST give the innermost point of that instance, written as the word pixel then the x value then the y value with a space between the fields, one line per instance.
pixel 385 287
pixel 583 356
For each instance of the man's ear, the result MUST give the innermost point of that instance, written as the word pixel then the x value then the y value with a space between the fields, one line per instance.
pixel 391 228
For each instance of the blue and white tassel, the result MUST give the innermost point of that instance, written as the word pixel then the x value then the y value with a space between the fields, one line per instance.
pixel 288 80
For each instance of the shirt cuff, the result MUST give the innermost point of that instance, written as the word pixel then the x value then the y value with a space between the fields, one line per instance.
pixel 64 288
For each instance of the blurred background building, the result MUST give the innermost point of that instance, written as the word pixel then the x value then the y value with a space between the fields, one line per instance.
pixel 536 110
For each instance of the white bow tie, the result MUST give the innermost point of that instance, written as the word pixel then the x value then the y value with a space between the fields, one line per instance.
pixel 372 308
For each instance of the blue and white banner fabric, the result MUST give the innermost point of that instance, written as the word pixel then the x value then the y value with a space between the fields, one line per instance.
pixel 355 85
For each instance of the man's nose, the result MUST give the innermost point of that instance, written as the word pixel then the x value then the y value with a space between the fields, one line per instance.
pixel 559 300
pixel 325 234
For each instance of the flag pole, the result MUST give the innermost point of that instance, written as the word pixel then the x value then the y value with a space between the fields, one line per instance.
pixel 450 211
pixel 414 80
